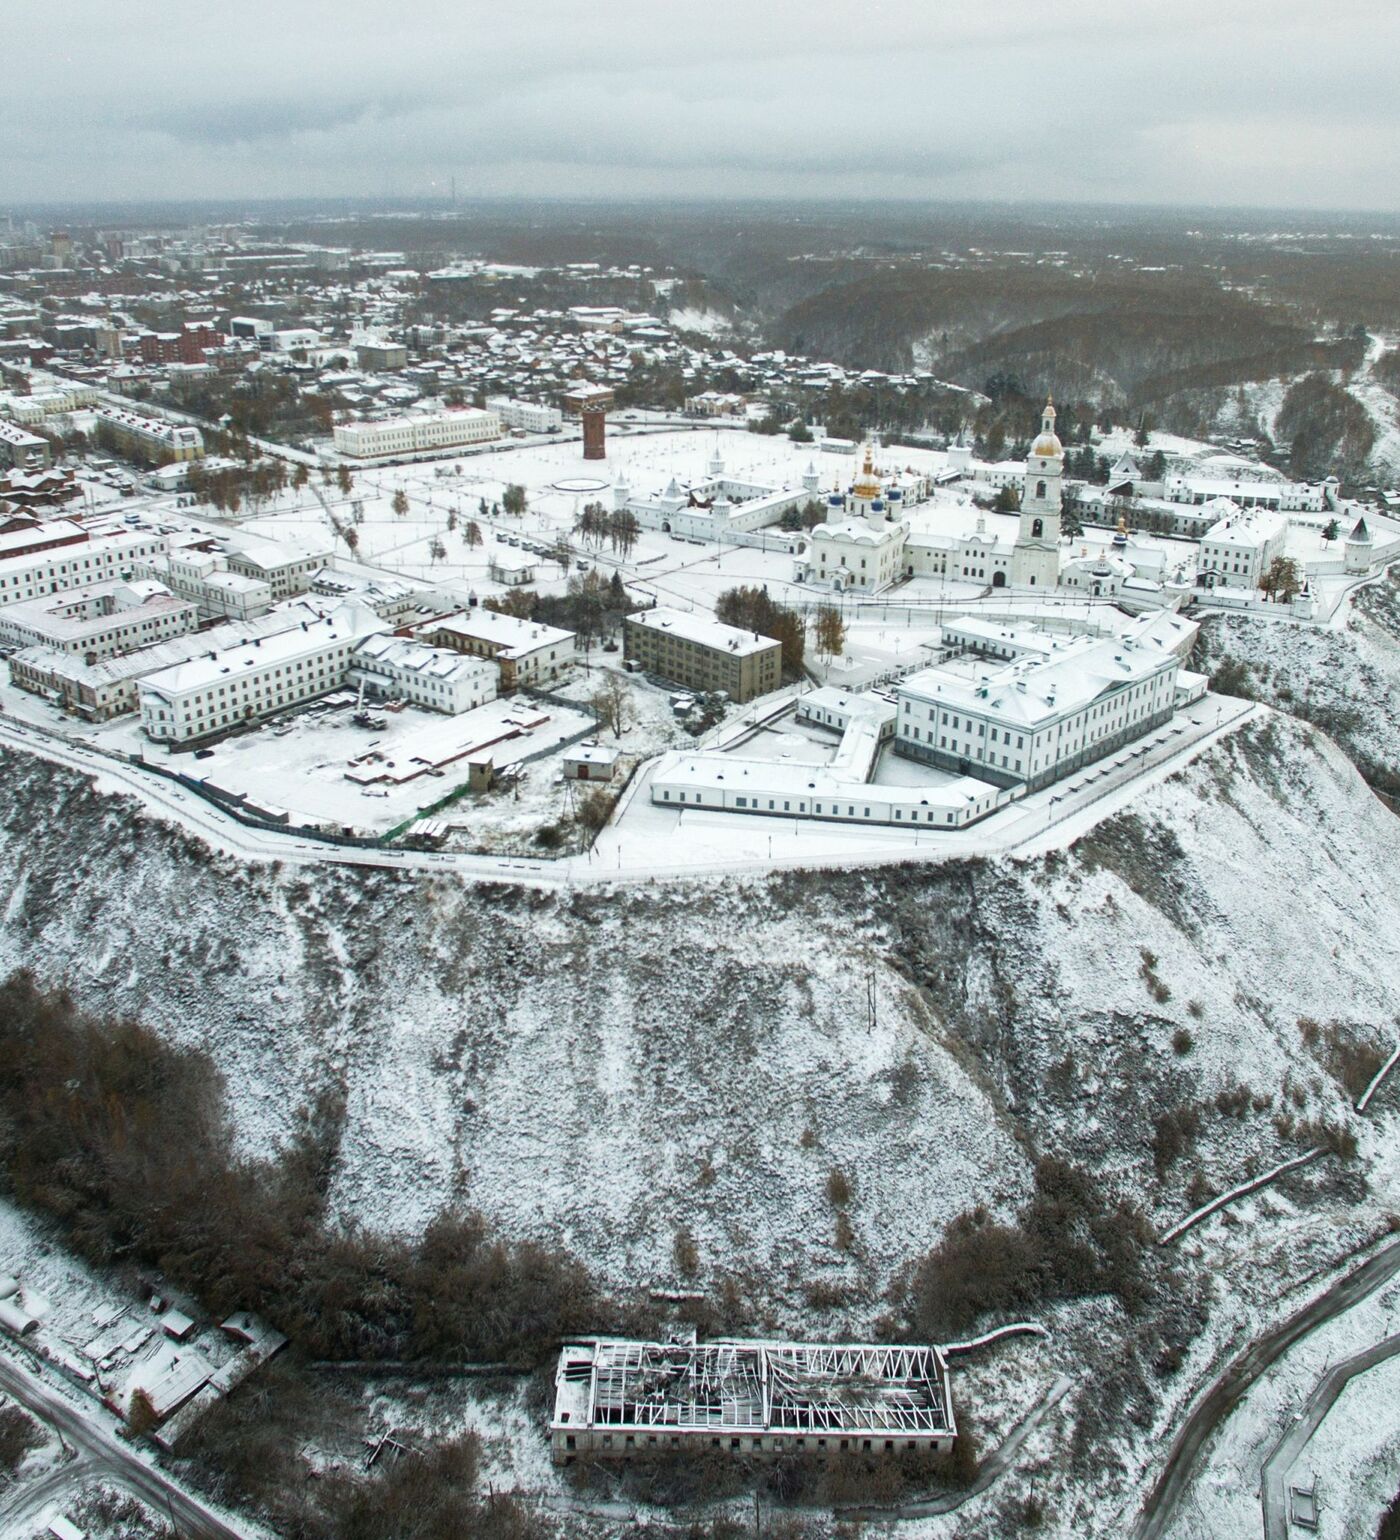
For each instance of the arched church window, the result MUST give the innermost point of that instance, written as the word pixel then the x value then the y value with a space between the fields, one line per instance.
pixel 1040 489
pixel 1037 528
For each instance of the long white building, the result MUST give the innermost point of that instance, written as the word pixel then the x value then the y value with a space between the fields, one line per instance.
pixel 99 621
pixel 81 560
pixel 838 791
pixel 254 679
pixel 414 435
pixel 1054 705
pixel 528 416
pixel 1277 496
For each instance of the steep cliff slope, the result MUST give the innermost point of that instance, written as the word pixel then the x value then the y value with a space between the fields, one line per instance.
pixel 611 1068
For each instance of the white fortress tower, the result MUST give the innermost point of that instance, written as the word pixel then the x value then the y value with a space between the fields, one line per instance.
pixel 1035 558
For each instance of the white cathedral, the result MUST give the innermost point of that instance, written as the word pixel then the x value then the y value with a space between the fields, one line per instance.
pixel 866 543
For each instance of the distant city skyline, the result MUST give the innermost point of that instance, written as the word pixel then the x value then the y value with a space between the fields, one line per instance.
pixel 1285 105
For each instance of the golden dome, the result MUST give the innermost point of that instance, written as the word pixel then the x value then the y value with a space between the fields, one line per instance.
pixel 867 484
pixel 1047 447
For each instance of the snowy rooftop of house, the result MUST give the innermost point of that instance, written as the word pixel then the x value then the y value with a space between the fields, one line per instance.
pixel 348 623
pixel 272 554
pixel 753 1387
pixel 333 583
pixel 590 754
pixel 21 438
pixel 113 543
pixel 845 703
pixel 23 538
pixel 857 531
pixel 703 629
pixel 515 638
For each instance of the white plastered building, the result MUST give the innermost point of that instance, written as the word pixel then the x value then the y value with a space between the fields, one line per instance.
pixel 1026 706
pixel 254 679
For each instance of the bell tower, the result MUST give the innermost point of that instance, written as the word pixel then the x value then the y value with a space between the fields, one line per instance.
pixel 1035 558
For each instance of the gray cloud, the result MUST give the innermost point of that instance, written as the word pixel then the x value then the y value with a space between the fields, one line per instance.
pixel 1191 101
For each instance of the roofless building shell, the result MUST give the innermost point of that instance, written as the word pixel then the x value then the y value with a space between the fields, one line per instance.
pixel 618 1398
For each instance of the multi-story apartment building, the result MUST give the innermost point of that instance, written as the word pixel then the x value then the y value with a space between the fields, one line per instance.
pixel 702 653
pixel 149 438
pixel 22 450
pixel 415 435
pixel 381 355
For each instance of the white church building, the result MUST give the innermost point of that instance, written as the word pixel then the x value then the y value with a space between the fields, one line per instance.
pixel 866 543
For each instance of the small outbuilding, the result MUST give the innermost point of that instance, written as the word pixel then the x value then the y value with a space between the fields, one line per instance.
pixel 589 762
pixel 512 570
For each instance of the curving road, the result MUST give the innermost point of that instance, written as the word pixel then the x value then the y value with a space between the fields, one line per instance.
pixel 1229 1387
pixel 103 1456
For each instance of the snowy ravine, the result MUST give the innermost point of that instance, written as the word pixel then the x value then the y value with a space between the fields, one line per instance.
pixel 603 1068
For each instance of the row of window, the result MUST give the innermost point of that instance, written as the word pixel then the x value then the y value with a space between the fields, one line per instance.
pixel 819 809
pixel 100 565
pixel 774 1441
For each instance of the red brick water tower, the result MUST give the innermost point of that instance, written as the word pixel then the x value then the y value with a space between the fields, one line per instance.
pixel 594 421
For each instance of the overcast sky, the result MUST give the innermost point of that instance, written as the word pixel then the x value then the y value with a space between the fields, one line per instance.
pixel 1290 102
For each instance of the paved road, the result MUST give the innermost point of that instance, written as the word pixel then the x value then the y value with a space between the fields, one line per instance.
pixel 1285 1453
pixel 105 1456
pixel 1229 1387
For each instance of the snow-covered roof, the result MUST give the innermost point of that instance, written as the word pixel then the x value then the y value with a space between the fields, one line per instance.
pixel 511 636
pixel 347 623
pixel 399 653
pixel 1032 690
pixel 1247 528
pixel 702 629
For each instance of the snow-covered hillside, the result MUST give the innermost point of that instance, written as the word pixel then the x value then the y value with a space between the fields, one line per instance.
pixel 1342 677
pixel 609 1069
